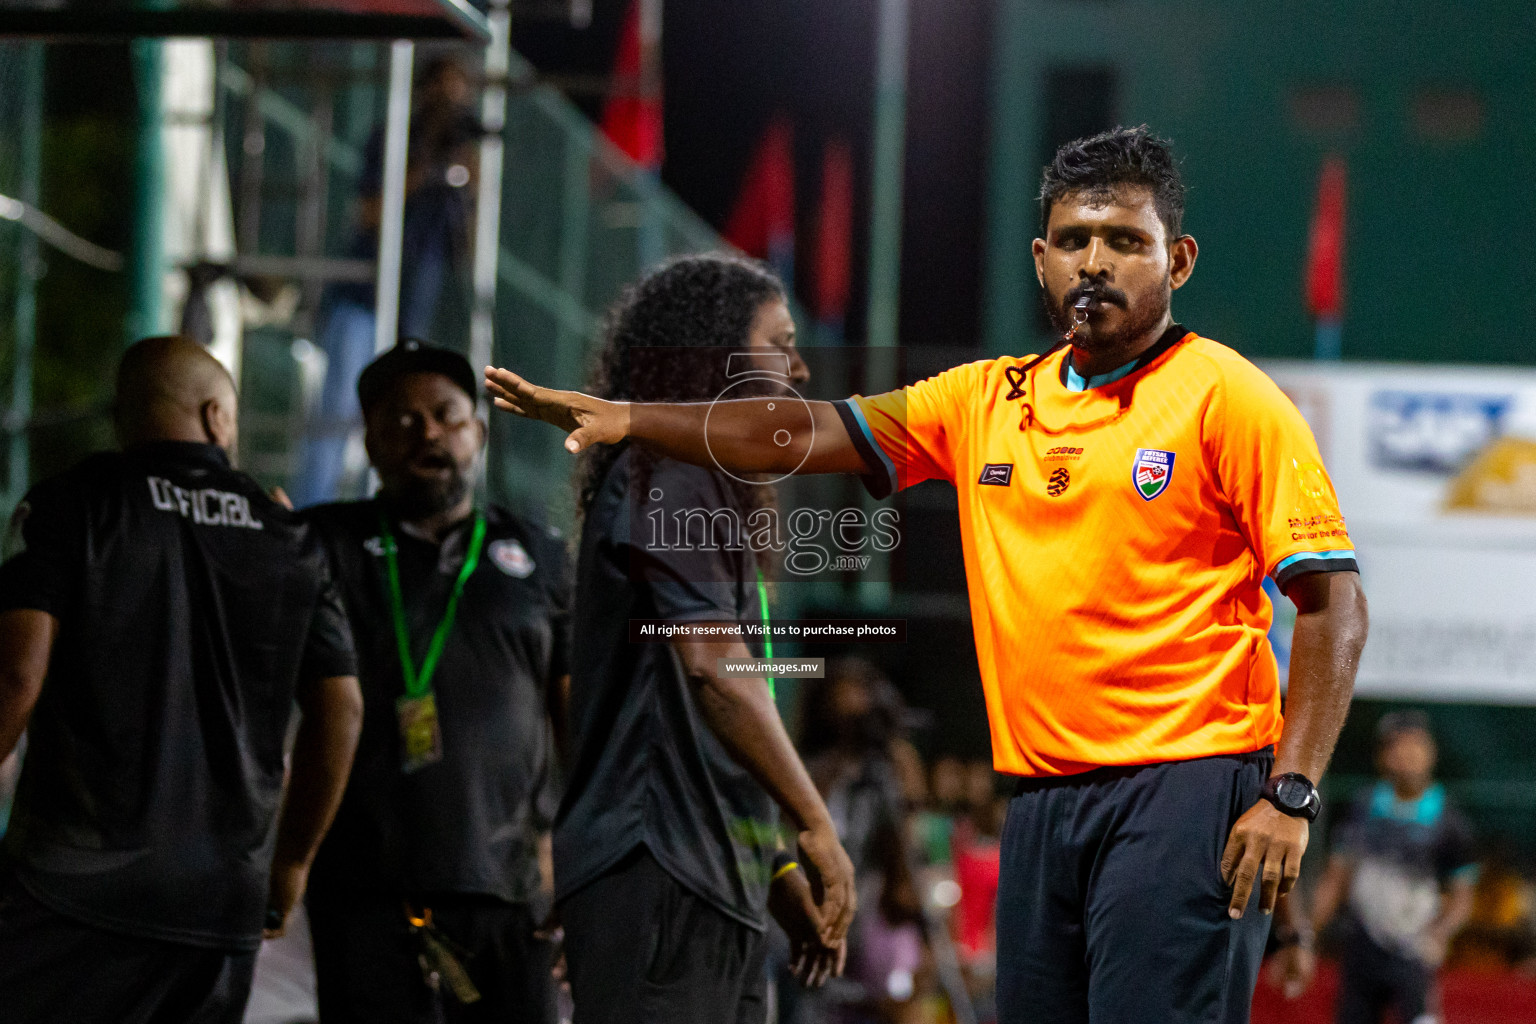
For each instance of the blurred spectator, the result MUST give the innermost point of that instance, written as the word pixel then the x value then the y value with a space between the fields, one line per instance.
pixel 439 206
pixel 934 826
pixel 1402 872
pixel 977 851
pixel 1500 933
pixel 863 767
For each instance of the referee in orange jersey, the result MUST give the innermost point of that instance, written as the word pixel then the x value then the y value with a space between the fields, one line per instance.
pixel 1121 500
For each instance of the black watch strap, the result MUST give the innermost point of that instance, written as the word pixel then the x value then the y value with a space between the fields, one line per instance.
pixel 1294 794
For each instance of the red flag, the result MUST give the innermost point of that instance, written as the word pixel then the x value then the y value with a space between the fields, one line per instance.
pixel 632 115
pixel 834 233
pixel 1325 249
pixel 763 222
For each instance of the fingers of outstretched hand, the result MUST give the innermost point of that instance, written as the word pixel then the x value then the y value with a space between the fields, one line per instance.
pixel 506 382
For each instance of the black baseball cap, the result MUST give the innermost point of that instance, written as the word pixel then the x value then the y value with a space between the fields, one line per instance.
pixel 414 356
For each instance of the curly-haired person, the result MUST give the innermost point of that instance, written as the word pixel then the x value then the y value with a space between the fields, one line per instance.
pixel 667 853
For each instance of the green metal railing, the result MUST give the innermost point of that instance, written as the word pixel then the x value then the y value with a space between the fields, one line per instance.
pixel 578 222
pixel 21 89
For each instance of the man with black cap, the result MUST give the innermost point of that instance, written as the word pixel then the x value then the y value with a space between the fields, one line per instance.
pixel 159 621
pixel 427 893
pixel 1402 871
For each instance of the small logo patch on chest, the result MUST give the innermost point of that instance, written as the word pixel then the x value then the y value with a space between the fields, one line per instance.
pixel 1060 480
pixel 997 474
pixel 1151 472
pixel 510 557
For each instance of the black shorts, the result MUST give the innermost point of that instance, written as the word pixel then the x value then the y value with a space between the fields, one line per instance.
pixel 367 971
pixel 1372 979
pixel 54 968
pixel 642 949
pixel 1110 903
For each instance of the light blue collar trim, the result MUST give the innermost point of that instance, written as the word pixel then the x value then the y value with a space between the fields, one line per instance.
pixel 1076 382
pixel 1425 810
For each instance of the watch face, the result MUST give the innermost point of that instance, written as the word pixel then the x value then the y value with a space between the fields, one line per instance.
pixel 1292 793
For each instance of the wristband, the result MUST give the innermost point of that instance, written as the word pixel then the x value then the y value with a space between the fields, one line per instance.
pixel 783 863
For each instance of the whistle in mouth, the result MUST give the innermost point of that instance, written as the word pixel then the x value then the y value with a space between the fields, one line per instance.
pixel 1079 315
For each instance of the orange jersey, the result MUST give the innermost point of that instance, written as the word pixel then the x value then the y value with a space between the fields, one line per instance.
pixel 1116 538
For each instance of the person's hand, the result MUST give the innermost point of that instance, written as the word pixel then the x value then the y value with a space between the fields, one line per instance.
pixel 1291 970
pixel 281 497
pixel 1264 846
pixel 551 932
pixel 587 420
pixel 820 851
pixel 1433 945
pixel 793 906
pixel 287 885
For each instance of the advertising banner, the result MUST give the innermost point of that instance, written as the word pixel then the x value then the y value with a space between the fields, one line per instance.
pixel 1435 469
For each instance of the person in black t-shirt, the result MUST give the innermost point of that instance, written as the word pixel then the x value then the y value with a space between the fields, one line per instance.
pixel 667 840
pixel 1400 877
pixel 462 636
pixel 155 629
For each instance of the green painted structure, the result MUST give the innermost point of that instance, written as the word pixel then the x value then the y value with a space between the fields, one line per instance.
pixel 1432 106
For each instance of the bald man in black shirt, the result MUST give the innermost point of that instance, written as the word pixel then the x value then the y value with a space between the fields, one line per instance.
pixel 155 630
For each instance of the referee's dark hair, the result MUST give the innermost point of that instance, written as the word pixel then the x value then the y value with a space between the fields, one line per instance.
pixel 1097 166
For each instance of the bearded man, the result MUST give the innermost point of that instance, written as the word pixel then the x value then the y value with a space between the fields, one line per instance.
pixel 438 860
pixel 1121 499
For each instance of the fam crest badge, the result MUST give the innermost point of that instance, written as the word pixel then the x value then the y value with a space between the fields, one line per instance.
pixel 511 558
pixel 1151 472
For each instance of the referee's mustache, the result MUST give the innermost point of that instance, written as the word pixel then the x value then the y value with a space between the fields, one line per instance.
pixel 1096 290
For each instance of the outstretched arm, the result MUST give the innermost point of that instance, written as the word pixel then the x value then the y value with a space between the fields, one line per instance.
pixel 750 435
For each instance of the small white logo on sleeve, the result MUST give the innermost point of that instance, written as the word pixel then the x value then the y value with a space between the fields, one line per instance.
pixel 510 557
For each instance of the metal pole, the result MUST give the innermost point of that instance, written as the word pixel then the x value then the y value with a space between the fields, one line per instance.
pixel 885 239
pixel 25 313
pixel 652 241
pixel 890 146
pixel 146 264
pixel 397 129
pixel 493 116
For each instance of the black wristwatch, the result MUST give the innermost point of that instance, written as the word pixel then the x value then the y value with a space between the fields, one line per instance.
pixel 1293 793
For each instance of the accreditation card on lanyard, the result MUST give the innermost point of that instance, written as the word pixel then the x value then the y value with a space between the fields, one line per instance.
pixel 421 738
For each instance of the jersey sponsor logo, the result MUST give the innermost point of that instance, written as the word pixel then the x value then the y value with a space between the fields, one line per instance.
pixel 1065 453
pixel 510 557
pixel 1059 482
pixel 997 474
pixel 1151 472
pixel 204 506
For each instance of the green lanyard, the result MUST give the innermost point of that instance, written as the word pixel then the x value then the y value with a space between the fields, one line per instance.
pixel 418 682
pixel 762 600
